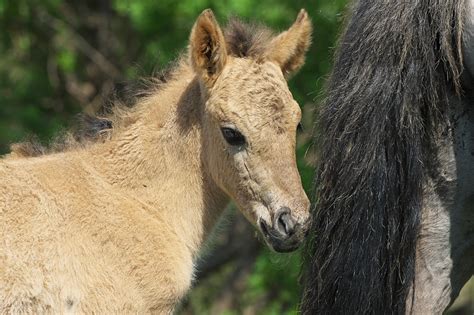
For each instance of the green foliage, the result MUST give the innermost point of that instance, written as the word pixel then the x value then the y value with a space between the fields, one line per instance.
pixel 274 278
pixel 66 60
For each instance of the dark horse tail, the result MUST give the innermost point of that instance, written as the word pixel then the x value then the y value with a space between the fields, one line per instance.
pixel 396 64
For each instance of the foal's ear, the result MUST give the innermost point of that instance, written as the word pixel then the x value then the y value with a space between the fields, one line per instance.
pixel 288 49
pixel 207 48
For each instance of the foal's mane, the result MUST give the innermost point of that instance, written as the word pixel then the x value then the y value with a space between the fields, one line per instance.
pixel 243 40
pixel 387 97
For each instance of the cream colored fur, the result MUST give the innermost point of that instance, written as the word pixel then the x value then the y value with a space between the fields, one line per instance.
pixel 115 227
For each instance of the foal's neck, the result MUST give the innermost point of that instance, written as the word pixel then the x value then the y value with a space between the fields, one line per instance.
pixel 158 160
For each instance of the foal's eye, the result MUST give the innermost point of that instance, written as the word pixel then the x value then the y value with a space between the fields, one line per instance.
pixel 233 136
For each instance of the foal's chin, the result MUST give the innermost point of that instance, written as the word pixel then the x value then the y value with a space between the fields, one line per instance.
pixel 284 248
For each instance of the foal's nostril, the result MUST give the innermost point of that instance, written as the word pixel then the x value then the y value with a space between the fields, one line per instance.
pixel 285 223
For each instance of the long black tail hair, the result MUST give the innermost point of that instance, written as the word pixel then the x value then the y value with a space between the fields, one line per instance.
pixel 396 64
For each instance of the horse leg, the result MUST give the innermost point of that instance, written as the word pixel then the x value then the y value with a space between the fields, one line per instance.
pixel 445 247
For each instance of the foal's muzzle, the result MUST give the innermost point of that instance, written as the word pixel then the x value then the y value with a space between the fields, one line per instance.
pixel 284 235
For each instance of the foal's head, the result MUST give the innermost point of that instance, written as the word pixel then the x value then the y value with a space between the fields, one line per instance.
pixel 251 119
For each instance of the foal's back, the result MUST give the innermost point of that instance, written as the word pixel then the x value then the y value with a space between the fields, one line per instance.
pixel 62 229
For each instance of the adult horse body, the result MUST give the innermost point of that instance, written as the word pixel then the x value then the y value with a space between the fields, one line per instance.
pixel 114 226
pixel 393 228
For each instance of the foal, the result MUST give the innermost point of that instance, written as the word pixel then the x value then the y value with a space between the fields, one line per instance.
pixel 115 226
